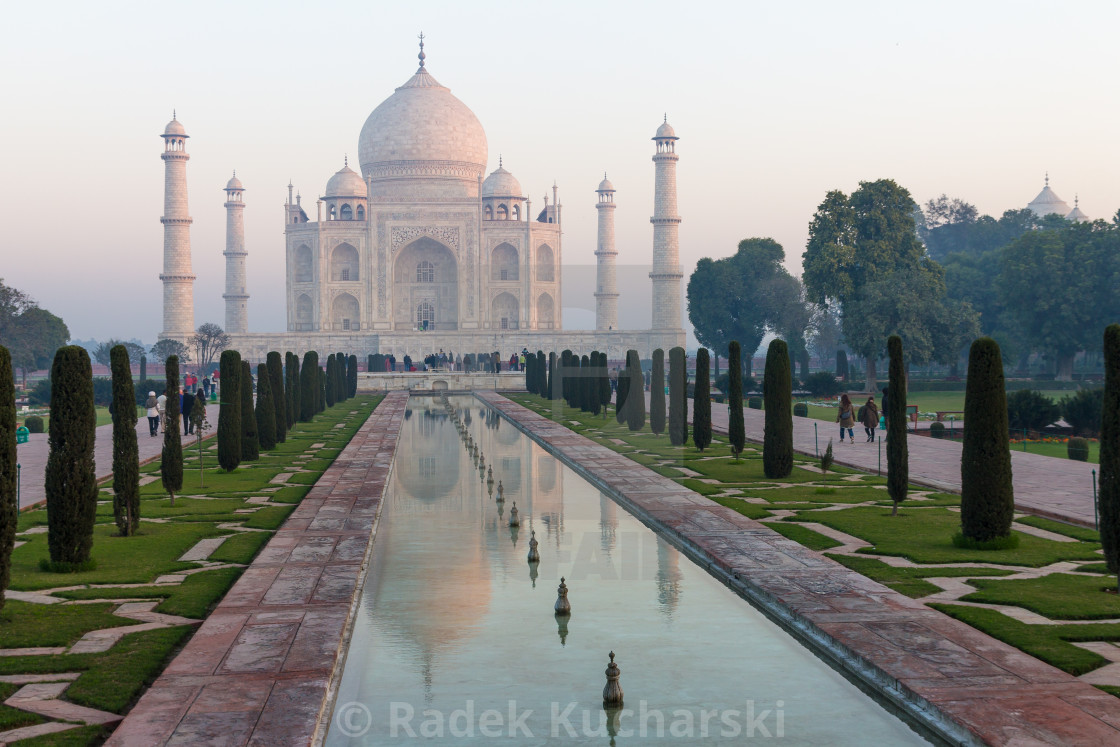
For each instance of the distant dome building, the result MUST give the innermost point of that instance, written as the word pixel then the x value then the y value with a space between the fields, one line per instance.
pixel 1048 203
pixel 1076 215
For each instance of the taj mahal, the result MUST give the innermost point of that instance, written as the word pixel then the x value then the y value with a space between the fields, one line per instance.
pixel 422 250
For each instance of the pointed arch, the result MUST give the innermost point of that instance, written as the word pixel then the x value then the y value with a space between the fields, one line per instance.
pixel 304 266
pixel 304 313
pixel 504 262
pixel 346 212
pixel 546 263
pixel 344 263
pixel 546 312
pixel 504 311
pixel 345 313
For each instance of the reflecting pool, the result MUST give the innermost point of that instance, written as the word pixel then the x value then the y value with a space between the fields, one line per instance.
pixel 456 640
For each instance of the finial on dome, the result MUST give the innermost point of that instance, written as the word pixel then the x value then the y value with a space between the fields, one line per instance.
pixel 1047 178
pixel 422 56
pixel 1075 200
pixel 235 173
pixel 499 160
pixel 346 160
pixel 173 114
pixel 604 175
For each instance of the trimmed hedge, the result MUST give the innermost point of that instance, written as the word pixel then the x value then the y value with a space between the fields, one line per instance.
pixel 171 458
pixel 987 496
pixel 801 410
pixel 276 386
pixel 126 454
pixel 657 393
pixel 33 423
pixel 736 428
pixel 636 406
pixel 229 414
pixel 702 403
pixel 777 387
pixel 678 422
pixel 9 507
pixel 1109 496
pixel 265 411
pixel 898 456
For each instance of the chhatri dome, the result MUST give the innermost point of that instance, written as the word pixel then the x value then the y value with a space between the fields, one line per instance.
pixel 175 128
pixel 346 183
pixel 422 132
pixel 1047 202
pixel 501 183
pixel 234 183
pixel 1076 215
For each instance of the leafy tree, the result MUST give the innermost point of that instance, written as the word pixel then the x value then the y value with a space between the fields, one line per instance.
pixel 164 349
pixel 702 403
pixel 229 412
pixel 738 297
pixel 1109 496
pixel 1058 286
pixel 1031 410
pixel 678 386
pixel 208 342
pixel 103 354
pixel 266 409
pixel 171 458
pixel 13 303
pixel 736 428
pixel 657 393
pixel 636 402
pixel 126 454
pixel 250 441
pixel 35 336
pixel 1082 410
pixel 278 388
pixel 309 386
pixel 9 507
pixel 777 388
pixel 987 497
pixel 898 457
pixel 71 484
pixel 859 249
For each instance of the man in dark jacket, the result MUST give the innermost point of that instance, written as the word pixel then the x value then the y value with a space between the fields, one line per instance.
pixel 188 403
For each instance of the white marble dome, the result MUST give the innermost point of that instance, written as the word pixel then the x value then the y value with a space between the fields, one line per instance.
pixel 501 183
pixel 422 130
pixel 234 183
pixel 605 185
pixel 665 131
pixel 346 183
pixel 174 127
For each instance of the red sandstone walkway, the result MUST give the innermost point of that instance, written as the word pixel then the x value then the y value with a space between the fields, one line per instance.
pixel 258 670
pixel 970 687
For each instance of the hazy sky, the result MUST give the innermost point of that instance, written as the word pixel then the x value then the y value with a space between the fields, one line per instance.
pixel 775 104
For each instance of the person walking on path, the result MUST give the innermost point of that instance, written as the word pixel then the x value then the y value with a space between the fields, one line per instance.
pixel 869 417
pixel 161 407
pixel 846 417
pixel 188 403
pixel 153 414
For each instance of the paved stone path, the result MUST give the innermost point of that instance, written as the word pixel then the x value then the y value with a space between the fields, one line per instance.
pixel 258 670
pixel 32 457
pixel 967 685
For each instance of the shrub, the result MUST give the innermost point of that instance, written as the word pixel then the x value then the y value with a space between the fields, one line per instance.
pixel 171 458
pixel 937 430
pixel 826 457
pixel 801 410
pixel 898 457
pixel 279 399
pixel 1028 409
pixel 657 393
pixel 33 423
pixel 9 507
pixel 1077 448
pixel 126 454
pixel 1109 496
pixel 736 429
pixel 755 403
pixel 987 497
pixel 702 403
pixel 71 484
pixel 678 425
pixel 229 414
pixel 822 384
pixel 636 406
pixel 1082 410
pixel 777 439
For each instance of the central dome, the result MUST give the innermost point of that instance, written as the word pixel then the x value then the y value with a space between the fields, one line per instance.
pixel 420 132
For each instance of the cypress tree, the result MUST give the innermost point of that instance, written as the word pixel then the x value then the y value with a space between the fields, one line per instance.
pixel 250 441
pixel 987 498
pixel 604 383
pixel 541 371
pixel 623 387
pixel 266 409
pixel 143 369
pixel 229 414
pixel 342 370
pixel 702 403
pixel 842 366
pixel 898 458
pixel 295 394
pixel 171 458
pixel 71 484
pixel 332 377
pixel 9 508
pixel 126 454
pixel 586 380
pixel 370 363
pixel 530 379
pixel 777 387
pixel 352 377
pixel 593 383
pixel 657 393
pixel 1109 495
pixel 322 377
pixel 736 429
pixel 276 385
pixel 678 392
pixel 636 408
pixel 565 376
pixel 308 386
pixel 547 393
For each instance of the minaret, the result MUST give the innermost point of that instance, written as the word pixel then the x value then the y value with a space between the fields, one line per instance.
pixel 237 313
pixel 178 280
pixel 666 273
pixel 606 293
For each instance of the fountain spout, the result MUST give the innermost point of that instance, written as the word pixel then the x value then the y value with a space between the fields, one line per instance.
pixel 514 519
pixel 612 691
pixel 563 607
pixel 534 554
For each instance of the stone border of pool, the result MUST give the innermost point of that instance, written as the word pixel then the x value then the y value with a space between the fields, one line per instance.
pixel 964 686
pixel 260 668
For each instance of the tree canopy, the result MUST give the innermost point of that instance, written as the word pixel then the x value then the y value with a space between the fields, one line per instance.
pixel 207 344
pixel 31 334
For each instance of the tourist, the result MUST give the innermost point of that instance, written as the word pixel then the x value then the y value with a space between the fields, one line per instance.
pixel 161 405
pixel 869 417
pixel 513 362
pixel 206 387
pixel 846 417
pixel 521 360
pixel 188 403
pixel 459 362
pixel 153 414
